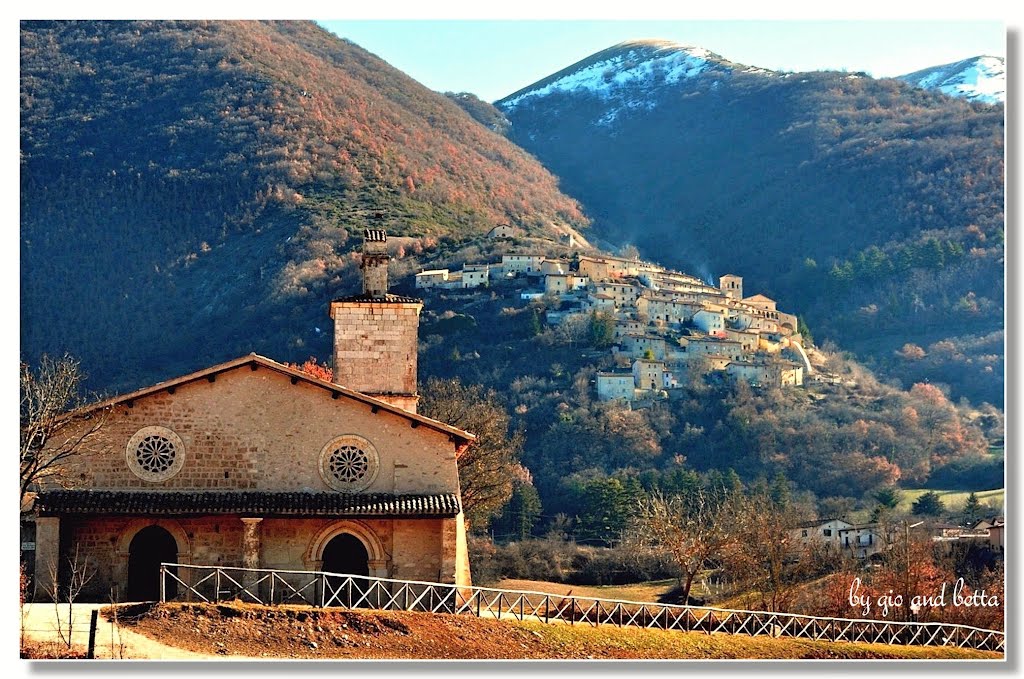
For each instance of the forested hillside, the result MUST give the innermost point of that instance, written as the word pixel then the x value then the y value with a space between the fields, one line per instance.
pixel 188 188
pixel 873 207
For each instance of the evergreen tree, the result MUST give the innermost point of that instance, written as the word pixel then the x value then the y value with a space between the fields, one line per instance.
pixel 888 497
pixel 602 329
pixel 973 510
pixel 929 504
pixel 780 490
pixel 520 515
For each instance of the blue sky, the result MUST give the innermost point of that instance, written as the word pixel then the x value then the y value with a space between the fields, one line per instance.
pixel 493 58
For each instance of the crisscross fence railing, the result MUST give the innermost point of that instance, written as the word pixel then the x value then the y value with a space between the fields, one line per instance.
pixel 212 584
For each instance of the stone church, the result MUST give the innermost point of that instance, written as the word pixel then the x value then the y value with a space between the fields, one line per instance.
pixel 255 464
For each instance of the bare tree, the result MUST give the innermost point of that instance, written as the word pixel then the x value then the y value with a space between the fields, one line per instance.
pixel 686 532
pixel 52 432
pixel 488 468
pixel 765 559
pixel 80 570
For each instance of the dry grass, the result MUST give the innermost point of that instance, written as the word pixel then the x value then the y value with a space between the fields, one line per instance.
pixel 248 631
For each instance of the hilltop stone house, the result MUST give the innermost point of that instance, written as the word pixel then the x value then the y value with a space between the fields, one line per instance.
pixel 251 463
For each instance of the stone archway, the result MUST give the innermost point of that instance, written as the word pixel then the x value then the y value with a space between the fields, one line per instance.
pixel 349 548
pixel 378 561
pixel 150 547
pixel 345 553
pixel 181 553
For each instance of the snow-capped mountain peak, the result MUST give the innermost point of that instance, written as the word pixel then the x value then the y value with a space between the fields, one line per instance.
pixel 980 78
pixel 634 63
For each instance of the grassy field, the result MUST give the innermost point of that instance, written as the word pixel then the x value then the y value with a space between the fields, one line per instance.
pixel 953 499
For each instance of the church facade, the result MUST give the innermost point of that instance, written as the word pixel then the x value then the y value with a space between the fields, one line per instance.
pixel 254 464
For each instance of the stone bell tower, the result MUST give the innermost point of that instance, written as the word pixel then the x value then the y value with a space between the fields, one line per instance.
pixel 376 333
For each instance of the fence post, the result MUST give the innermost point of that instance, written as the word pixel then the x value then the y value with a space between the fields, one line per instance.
pixel 216 585
pixel 163 583
pixel 547 609
pixel 93 619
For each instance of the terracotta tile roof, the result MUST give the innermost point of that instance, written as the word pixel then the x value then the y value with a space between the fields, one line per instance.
pixel 254 503
pixel 387 299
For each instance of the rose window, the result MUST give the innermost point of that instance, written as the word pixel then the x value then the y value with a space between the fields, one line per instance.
pixel 348 463
pixel 155 454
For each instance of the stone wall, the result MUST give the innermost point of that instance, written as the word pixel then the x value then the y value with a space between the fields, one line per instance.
pixel 375 346
pixel 408 549
pixel 254 430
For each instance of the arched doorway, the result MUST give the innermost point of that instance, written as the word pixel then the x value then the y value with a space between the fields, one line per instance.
pixel 150 546
pixel 345 553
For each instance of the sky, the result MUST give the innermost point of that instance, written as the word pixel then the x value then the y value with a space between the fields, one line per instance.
pixel 493 58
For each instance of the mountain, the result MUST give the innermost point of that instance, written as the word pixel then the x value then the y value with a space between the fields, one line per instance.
pixel 188 188
pixel 873 207
pixel 977 79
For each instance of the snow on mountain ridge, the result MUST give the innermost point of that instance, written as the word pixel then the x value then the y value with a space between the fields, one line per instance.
pixel 658 62
pixel 980 78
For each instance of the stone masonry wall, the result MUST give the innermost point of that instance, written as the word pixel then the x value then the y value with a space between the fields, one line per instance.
pixel 254 430
pixel 375 346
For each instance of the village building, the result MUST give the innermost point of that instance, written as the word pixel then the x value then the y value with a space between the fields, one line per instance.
pixel 667 310
pixel 432 278
pixel 862 540
pixel 502 231
pixel 711 319
pixel 521 264
pixel 251 463
pixel 623 294
pixel 615 386
pixel 748 340
pixel 996 529
pixel 628 327
pixel 558 284
pixel 697 345
pixel 652 375
pixel 475 275
pixel 821 532
pixel 554 266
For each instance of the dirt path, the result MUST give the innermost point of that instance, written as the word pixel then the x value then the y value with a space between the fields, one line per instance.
pixel 40 622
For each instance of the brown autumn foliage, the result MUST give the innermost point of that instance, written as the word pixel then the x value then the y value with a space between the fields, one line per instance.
pixel 310 366
pixel 213 171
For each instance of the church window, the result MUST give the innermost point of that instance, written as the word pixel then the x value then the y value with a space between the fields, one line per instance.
pixel 155 454
pixel 349 463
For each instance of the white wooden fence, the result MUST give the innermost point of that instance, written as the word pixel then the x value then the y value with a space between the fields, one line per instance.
pixel 183 582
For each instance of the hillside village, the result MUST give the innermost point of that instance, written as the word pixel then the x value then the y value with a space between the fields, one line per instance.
pixel 665 325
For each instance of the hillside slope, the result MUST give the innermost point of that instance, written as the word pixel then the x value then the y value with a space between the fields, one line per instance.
pixel 977 79
pixel 240 630
pixel 188 188
pixel 873 207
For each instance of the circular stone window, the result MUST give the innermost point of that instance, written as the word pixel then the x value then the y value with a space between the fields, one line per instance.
pixel 349 463
pixel 155 453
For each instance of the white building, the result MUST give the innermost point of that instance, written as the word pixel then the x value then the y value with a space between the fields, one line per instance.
pixel 431 279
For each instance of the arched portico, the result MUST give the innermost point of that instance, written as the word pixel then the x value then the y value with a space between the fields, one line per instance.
pixel 124 550
pixel 378 560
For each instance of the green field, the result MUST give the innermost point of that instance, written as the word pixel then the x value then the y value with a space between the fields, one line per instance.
pixel 954 499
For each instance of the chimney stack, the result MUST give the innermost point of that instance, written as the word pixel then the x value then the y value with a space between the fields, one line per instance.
pixel 376 333
pixel 375 263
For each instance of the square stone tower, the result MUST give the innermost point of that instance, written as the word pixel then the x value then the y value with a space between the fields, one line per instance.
pixel 376 333
pixel 732 286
